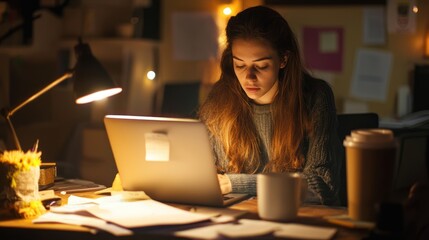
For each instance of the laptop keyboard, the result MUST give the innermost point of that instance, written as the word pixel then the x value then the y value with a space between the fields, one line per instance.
pixel 226 197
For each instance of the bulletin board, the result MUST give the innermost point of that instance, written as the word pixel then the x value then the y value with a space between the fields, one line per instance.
pixel 344 25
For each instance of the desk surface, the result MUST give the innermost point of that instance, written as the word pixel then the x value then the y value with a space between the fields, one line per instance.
pixel 311 215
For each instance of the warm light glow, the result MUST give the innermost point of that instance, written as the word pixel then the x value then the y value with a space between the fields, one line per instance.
pixel 227 11
pixel 98 95
pixel 151 75
pixel 224 12
pixel 427 45
pixel 415 9
pixel 152 118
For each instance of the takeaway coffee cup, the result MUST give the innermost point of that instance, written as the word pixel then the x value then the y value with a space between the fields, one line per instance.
pixel 370 162
pixel 279 195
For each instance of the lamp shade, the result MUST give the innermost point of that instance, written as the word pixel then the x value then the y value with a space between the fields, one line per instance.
pixel 91 80
pixel 91 83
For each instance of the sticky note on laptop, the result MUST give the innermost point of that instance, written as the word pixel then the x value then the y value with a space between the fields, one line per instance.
pixel 157 147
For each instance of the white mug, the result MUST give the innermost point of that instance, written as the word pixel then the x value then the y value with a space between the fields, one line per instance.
pixel 279 195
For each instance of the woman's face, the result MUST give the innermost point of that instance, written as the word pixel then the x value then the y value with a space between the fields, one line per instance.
pixel 256 65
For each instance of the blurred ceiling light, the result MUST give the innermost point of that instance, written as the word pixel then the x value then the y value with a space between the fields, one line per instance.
pixel 227 11
pixel 151 75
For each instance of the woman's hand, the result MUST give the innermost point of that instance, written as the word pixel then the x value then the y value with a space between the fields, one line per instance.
pixel 417 212
pixel 225 183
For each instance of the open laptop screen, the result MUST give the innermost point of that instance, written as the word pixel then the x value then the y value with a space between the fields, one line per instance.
pixel 170 159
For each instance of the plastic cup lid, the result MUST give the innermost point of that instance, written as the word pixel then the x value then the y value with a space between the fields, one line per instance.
pixel 370 138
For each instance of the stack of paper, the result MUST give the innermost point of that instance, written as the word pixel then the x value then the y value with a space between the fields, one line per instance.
pixel 118 217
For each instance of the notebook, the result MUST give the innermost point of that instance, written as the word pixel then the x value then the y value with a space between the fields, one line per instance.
pixel 170 159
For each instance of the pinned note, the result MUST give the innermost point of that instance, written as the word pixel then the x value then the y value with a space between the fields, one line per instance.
pixel 157 147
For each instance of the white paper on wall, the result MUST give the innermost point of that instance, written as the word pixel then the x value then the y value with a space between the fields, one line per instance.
pixel 195 36
pixel 374 23
pixel 371 75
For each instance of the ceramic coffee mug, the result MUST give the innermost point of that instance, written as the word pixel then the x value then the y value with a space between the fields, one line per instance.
pixel 279 195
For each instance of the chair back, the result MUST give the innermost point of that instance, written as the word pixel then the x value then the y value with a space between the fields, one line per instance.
pixel 351 121
pixel 181 99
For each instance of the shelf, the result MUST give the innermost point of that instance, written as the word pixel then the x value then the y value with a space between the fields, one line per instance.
pixel 100 41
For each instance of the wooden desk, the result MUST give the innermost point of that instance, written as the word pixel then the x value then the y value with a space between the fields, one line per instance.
pixel 24 229
pixel 311 215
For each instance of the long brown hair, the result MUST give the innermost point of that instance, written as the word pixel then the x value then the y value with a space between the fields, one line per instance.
pixel 227 111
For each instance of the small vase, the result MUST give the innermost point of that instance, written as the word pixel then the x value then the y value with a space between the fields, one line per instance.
pixel 19 190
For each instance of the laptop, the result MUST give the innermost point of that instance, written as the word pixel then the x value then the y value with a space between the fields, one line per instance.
pixel 170 159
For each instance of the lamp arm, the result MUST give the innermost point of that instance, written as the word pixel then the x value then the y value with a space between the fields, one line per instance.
pixel 41 92
pixel 7 114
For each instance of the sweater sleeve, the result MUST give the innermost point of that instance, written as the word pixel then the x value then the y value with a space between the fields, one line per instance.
pixel 243 183
pixel 240 183
pixel 322 167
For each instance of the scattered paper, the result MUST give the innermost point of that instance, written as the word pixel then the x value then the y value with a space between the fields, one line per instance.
pixel 246 228
pixel 216 211
pixel 124 195
pixel 300 231
pixel 79 220
pixel 131 195
pixel 207 232
pixel 113 215
pixel 144 214
pixel 70 208
pixel 75 200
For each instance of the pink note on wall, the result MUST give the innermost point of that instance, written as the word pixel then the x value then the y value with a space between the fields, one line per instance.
pixel 323 48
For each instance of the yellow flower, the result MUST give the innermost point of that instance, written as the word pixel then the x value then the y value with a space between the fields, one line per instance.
pixel 20 182
pixel 21 160
pixel 30 209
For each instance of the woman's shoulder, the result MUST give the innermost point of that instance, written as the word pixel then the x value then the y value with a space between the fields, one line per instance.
pixel 318 92
pixel 317 89
pixel 313 84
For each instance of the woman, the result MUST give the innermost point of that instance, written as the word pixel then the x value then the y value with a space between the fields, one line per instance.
pixel 267 114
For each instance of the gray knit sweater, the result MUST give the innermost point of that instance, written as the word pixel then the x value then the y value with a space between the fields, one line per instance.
pixel 321 149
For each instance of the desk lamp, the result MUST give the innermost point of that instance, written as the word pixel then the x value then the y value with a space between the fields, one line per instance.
pixel 91 83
